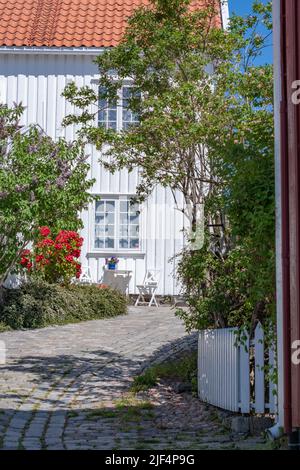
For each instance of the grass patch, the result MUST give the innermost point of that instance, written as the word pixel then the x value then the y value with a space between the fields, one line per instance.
pixel 133 410
pixel 130 401
pixel 184 370
pixel 231 446
pixel 73 414
pixel 101 413
pixel 143 446
pixel 182 437
pixel 127 410
pixel 214 416
pixel 279 444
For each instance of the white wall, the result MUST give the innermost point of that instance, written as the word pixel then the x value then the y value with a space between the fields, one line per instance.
pixel 38 81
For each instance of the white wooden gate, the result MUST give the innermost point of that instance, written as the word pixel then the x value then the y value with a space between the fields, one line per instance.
pixel 233 376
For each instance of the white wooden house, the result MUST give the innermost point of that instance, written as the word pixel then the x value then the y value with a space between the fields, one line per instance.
pixel 45 44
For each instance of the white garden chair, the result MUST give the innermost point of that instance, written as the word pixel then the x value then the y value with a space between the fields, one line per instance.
pixel 85 276
pixel 148 288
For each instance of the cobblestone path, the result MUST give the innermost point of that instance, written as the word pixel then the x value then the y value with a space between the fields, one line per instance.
pixel 66 387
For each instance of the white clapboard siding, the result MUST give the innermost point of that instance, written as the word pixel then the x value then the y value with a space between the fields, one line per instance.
pixel 224 374
pixel 38 81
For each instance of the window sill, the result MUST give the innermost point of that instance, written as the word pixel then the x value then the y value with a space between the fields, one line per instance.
pixel 120 254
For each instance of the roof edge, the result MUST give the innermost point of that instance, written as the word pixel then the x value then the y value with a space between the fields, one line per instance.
pixel 51 50
pixel 92 50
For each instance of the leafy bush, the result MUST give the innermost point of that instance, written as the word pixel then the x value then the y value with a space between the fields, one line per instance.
pixel 55 259
pixel 223 291
pixel 38 304
pixel 231 280
pixel 42 182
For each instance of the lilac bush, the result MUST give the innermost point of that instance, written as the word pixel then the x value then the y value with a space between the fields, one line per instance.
pixel 42 182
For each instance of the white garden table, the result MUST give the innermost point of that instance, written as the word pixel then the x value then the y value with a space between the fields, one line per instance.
pixel 118 279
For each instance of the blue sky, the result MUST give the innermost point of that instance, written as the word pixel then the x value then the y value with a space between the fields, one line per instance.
pixel 243 7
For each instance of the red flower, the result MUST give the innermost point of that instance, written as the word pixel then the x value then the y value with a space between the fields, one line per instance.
pixel 47 241
pixel 76 253
pixel 60 254
pixel 79 243
pixel 45 231
pixel 25 253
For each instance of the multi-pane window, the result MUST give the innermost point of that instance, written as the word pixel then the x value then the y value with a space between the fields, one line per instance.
pixel 107 115
pixel 129 226
pixel 117 115
pixel 117 225
pixel 105 227
pixel 128 117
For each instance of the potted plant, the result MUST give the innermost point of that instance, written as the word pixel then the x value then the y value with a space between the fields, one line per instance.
pixel 111 262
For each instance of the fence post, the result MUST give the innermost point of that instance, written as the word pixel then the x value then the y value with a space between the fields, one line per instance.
pixel 259 369
pixel 244 373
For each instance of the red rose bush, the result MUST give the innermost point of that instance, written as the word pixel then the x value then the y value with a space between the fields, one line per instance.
pixel 56 259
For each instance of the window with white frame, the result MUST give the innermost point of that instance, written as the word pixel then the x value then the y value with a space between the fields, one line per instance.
pixel 117 115
pixel 108 112
pixel 128 117
pixel 117 225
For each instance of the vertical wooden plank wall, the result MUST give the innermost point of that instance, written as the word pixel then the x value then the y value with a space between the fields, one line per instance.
pixel 38 81
pixel 290 185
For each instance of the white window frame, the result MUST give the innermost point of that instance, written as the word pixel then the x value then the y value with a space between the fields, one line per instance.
pixel 114 236
pixel 117 249
pixel 119 107
pixel 136 122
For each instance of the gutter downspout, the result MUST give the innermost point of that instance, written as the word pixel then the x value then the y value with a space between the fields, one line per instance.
pixel 285 222
pixel 282 289
pixel 224 13
pixel 277 430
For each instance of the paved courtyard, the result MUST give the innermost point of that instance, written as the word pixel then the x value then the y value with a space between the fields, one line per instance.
pixel 66 387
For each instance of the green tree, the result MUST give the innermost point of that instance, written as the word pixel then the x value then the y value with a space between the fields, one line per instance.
pixel 167 53
pixel 232 281
pixel 206 130
pixel 42 182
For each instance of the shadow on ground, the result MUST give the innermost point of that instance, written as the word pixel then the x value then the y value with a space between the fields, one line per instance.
pixel 81 401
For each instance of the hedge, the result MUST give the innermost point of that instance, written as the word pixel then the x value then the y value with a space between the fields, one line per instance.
pixel 38 304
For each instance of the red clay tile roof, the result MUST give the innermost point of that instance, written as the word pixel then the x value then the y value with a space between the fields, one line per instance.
pixel 66 23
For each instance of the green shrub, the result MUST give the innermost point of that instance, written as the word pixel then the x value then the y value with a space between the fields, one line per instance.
pixel 226 291
pixel 38 304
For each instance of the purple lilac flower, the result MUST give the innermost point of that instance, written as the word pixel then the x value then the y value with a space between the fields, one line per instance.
pixel 3 194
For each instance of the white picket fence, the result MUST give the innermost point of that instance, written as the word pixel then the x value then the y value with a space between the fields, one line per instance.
pixel 232 376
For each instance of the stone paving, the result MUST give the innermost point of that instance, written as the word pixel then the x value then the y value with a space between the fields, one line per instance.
pixel 67 387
